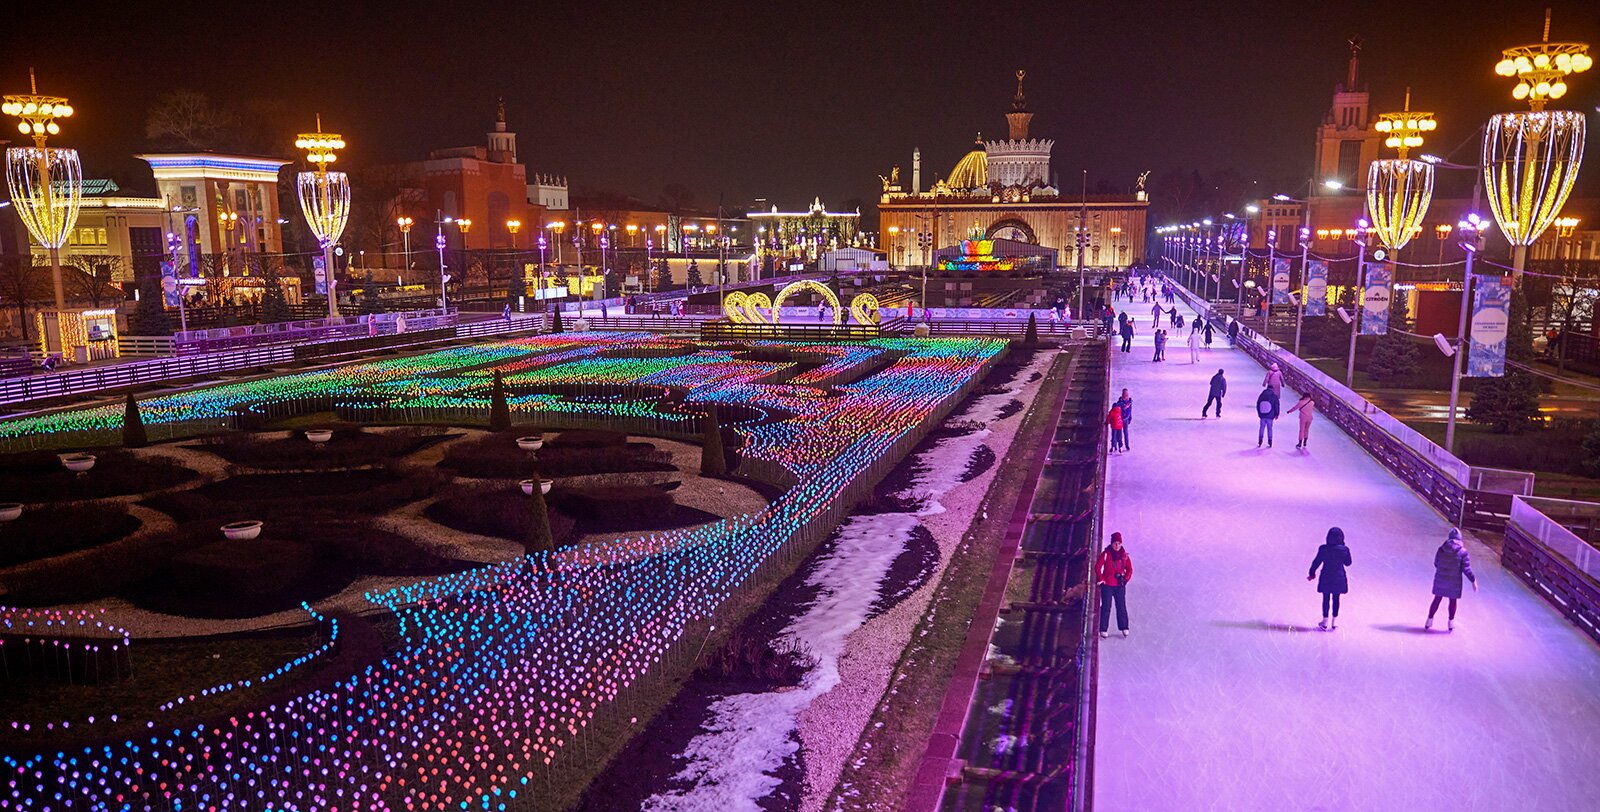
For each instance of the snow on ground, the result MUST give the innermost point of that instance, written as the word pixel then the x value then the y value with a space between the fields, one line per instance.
pixel 1226 697
pixel 749 735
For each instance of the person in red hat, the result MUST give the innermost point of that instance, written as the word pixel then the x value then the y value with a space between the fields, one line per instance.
pixel 1112 572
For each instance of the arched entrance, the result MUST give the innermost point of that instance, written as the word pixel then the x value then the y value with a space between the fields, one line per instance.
pixel 1011 228
pixel 795 287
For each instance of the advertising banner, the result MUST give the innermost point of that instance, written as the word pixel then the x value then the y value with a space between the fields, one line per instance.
pixel 191 238
pixel 1375 299
pixel 1280 281
pixel 1491 316
pixel 169 283
pixel 1316 288
pixel 319 269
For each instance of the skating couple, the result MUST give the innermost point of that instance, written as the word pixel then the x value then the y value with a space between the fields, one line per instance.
pixel 1120 419
pixel 1450 563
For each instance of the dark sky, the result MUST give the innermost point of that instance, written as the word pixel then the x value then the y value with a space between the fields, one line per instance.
pixel 788 101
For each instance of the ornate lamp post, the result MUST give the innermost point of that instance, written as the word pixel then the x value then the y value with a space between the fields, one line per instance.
pixel 46 183
pixel 405 224
pixel 1400 189
pixel 228 220
pixel 325 200
pixel 1531 159
pixel 542 298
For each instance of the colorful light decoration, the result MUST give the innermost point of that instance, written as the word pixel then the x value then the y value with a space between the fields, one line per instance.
pixel 1531 159
pixel 977 255
pixel 46 183
pixel 324 198
pixel 1400 189
pixel 502 670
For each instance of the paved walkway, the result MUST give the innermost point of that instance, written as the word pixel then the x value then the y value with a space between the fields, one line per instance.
pixel 1227 697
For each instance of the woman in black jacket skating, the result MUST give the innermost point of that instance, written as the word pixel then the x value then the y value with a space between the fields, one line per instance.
pixel 1333 556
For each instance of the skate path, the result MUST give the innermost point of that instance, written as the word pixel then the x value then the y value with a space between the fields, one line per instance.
pixel 1227 697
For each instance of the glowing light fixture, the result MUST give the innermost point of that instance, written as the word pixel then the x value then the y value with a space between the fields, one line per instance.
pixel 324 198
pixel 1400 189
pixel 46 183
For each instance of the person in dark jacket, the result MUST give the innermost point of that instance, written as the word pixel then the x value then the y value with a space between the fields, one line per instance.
pixel 1233 332
pixel 1219 389
pixel 1125 403
pixel 1114 422
pixel 1450 562
pixel 1208 334
pixel 1333 556
pixel 1113 571
pixel 1267 410
pixel 1127 336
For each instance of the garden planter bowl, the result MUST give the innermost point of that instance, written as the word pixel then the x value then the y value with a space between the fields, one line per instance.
pixel 544 485
pixel 77 463
pixel 241 531
pixel 319 436
pixel 530 443
pixel 9 511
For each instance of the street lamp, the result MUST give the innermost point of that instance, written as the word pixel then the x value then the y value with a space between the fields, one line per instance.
pixel 1441 232
pixel 1362 238
pixel 405 224
pixel 1531 159
pixel 558 227
pixel 1470 231
pixel 325 201
pixel 227 219
pixel 1400 189
pixel 542 297
pixel 46 182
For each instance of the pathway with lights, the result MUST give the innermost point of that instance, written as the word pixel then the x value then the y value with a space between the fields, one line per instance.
pixel 1226 695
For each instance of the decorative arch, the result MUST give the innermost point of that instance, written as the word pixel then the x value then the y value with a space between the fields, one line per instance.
pixel 795 287
pixel 1005 228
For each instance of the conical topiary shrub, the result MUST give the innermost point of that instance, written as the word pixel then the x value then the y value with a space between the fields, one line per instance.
pixel 499 410
pixel 540 539
pixel 713 461
pixel 1031 336
pixel 555 321
pixel 133 433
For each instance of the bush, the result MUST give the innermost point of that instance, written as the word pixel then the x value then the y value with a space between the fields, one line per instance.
pixel 588 438
pixel 496 510
pixel 351 447
pixel 713 460
pixel 624 505
pixel 744 658
pixel 288 497
pixel 572 453
pixel 1394 358
pixel 499 410
pixel 1508 405
pixel 38 476
pixel 56 529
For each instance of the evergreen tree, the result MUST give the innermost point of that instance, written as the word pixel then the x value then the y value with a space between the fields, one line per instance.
pixel 539 539
pixel 1591 450
pixel 713 461
pixel 370 303
pixel 694 280
pixel 1508 405
pixel 1519 330
pixel 133 433
pixel 274 305
pixel 555 321
pixel 499 410
pixel 1031 336
pixel 149 316
pixel 1394 358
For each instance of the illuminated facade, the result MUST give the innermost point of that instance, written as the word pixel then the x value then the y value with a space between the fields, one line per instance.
pixel 199 188
pixel 1002 190
pixel 807 234
pixel 484 185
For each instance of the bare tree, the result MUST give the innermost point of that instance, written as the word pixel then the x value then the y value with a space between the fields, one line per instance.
pixel 96 278
pixel 184 118
pixel 19 280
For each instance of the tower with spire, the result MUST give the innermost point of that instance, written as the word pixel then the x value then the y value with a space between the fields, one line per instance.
pixel 1346 141
pixel 502 143
pixel 1019 162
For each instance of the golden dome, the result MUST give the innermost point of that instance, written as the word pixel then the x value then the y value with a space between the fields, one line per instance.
pixel 973 170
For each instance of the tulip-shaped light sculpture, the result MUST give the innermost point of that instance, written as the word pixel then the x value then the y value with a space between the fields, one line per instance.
pixel 46 183
pixel 1531 159
pixel 324 198
pixel 1400 189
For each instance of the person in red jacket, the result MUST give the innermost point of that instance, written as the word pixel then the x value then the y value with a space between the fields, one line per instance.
pixel 1112 573
pixel 1114 420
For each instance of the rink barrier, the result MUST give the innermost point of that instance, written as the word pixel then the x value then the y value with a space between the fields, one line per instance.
pixel 1543 549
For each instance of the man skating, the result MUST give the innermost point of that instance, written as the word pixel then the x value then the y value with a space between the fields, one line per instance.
pixel 1219 389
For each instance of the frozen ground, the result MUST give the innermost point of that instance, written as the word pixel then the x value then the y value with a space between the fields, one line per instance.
pixel 1227 697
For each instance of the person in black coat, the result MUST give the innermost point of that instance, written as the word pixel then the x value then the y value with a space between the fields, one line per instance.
pixel 1233 332
pixel 1208 334
pixel 1450 563
pixel 1333 556
pixel 1267 410
pixel 1219 388
pixel 1127 336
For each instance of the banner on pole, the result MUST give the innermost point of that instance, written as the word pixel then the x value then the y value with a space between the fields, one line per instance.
pixel 1375 299
pixel 319 269
pixel 1280 281
pixel 169 283
pixel 1316 291
pixel 1491 317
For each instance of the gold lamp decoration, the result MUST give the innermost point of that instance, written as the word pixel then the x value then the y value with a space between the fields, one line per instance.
pixel 1400 189
pixel 1531 159
pixel 46 183
pixel 324 198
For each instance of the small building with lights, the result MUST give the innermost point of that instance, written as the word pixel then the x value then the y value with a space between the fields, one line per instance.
pixel 806 234
pixel 1004 190
pixel 219 203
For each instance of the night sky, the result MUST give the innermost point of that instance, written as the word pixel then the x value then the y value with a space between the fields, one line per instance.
pixel 788 101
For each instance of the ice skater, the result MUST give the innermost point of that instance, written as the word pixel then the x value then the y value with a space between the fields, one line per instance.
pixel 1114 420
pixel 1305 407
pixel 1155 314
pixel 1274 380
pixel 1161 344
pixel 1127 336
pixel 1267 410
pixel 1113 572
pixel 1194 345
pixel 1219 389
pixel 1333 556
pixel 1208 334
pixel 1125 403
pixel 1450 562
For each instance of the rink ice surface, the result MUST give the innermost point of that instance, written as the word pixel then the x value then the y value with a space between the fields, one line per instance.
pixel 1226 696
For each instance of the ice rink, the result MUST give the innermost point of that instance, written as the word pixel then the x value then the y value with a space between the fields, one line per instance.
pixel 1226 696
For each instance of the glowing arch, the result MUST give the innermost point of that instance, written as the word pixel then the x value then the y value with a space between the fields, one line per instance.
pixel 793 287
pixel 1005 227
pixel 865 309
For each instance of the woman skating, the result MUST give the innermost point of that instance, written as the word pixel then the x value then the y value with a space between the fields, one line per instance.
pixel 1306 408
pixel 1114 420
pixel 1113 572
pixel 1450 562
pixel 1333 556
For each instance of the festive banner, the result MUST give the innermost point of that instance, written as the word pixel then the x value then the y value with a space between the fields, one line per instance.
pixel 1280 281
pixel 1375 299
pixel 191 237
pixel 319 269
pixel 1491 316
pixel 1316 291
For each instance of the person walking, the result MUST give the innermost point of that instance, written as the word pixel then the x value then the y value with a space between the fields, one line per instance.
pixel 1160 339
pixel 1113 571
pixel 1127 336
pixel 1125 403
pixel 1155 314
pixel 1305 407
pixel 1219 389
pixel 1233 332
pixel 1333 556
pixel 1274 380
pixel 1267 410
pixel 1172 316
pixel 1114 420
pixel 1208 334
pixel 1450 562
pixel 1194 345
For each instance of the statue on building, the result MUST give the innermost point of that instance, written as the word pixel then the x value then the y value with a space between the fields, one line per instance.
pixel 893 180
pixel 1142 176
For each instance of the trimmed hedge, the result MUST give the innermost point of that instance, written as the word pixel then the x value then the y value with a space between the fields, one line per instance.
pixel 38 476
pixel 45 531
pixel 496 510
